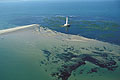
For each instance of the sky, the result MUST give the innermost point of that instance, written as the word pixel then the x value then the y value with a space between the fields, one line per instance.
pixel 57 0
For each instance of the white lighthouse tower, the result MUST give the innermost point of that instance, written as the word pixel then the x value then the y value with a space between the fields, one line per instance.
pixel 66 24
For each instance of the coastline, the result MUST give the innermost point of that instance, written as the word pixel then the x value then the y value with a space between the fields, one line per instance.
pixel 47 31
pixel 16 28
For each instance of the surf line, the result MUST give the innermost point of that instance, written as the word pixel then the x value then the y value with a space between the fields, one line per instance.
pixel 17 28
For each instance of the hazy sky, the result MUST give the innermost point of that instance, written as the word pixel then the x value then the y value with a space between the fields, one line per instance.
pixel 58 0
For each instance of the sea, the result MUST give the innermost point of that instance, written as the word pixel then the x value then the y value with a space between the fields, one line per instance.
pixel 30 55
pixel 92 19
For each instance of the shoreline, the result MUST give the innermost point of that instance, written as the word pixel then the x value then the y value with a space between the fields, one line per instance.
pixel 16 28
pixel 46 32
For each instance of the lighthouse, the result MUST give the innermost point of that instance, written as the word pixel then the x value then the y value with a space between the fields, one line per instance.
pixel 66 24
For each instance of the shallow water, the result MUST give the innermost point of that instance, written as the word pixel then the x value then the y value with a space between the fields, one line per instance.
pixel 19 60
pixel 29 54
pixel 44 54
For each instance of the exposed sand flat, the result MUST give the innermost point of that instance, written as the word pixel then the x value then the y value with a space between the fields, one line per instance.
pixel 68 37
pixel 49 33
pixel 16 28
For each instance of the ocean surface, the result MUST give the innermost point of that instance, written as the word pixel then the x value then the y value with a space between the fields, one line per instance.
pixel 96 20
pixel 89 49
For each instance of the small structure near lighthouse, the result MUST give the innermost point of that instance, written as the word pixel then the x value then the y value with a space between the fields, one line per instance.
pixel 66 24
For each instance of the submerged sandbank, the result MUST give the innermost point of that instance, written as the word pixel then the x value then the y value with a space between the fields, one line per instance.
pixel 61 56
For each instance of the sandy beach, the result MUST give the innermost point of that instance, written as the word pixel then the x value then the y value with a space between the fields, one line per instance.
pixel 17 28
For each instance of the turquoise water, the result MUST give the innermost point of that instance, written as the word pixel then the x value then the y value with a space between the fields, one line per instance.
pixel 48 55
